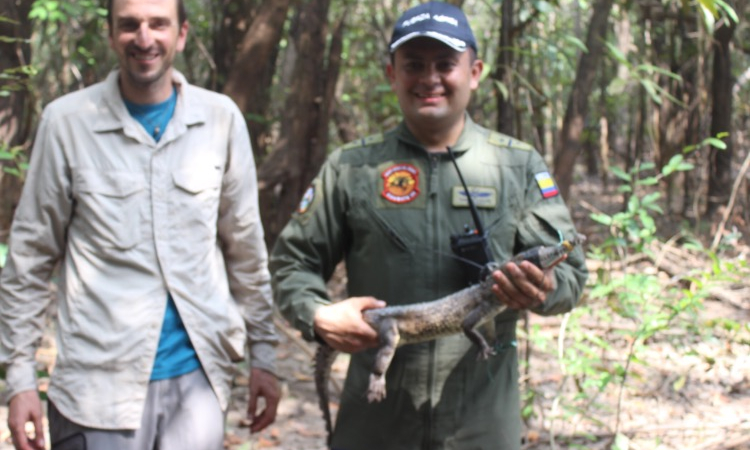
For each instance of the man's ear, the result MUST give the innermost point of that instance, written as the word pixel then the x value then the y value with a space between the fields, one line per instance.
pixel 390 72
pixel 477 67
pixel 182 36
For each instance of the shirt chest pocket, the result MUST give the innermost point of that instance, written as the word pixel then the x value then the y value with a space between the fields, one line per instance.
pixel 109 206
pixel 196 200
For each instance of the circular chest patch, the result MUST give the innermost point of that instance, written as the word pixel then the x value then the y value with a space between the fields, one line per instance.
pixel 400 183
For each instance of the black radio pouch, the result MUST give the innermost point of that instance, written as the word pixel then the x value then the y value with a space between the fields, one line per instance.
pixel 471 246
pixel 474 253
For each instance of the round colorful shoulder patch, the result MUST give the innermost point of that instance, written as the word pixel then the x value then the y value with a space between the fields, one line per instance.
pixel 307 199
pixel 400 183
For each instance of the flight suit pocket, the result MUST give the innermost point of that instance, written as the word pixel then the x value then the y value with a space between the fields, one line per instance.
pixel 110 203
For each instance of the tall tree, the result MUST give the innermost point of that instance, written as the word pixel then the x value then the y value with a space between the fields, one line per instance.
pixel 253 66
pixel 504 70
pixel 569 144
pixel 720 161
pixel 15 107
pixel 302 146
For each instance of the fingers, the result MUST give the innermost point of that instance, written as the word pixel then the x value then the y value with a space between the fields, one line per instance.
pixel 262 385
pixel 523 286
pixel 26 407
pixel 364 303
pixel 341 324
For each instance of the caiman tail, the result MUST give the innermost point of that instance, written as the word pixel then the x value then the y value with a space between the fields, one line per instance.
pixel 324 357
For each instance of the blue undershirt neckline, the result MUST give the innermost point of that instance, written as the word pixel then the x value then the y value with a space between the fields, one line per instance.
pixel 154 117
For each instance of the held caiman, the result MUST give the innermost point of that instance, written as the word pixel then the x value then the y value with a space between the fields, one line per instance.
pixel 462 311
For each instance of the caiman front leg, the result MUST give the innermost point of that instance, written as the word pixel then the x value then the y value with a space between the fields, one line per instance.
pixel 389 337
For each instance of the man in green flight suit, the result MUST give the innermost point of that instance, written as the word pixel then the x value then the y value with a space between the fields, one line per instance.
pixel 388 205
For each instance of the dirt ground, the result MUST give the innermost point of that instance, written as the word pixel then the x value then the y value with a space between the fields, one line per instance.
pixel 676 400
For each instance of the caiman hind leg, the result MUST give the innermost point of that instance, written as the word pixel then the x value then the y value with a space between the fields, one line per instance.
pixel 469 325
pixel 389 337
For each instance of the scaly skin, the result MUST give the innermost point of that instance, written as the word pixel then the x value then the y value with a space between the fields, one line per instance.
pixel 462 311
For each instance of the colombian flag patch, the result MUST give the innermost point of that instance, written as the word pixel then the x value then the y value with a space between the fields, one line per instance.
pixel 546 185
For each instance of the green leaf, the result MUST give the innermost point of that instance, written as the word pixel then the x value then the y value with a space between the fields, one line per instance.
pixel 617 54
pixel 502 88
pixel 621 174
pixel 651 198
pixel 649 181
pixel 651 90
pixel 650 69
pixel 603 219
pixel 710 6
pixel 649 165
pixel 577 42
pixel 709 17
pixel 717 143
pixel 728 10
pixel 679 383
pixel 685 166
pixel 633 204
pixel 672 165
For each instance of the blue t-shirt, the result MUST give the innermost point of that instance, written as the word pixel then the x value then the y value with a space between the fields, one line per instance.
pixel 175 355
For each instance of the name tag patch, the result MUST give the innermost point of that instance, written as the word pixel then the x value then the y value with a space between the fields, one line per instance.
pixel 483 197
pixel 546 185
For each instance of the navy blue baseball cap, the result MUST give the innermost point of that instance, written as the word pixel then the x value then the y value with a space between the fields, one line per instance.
pixel 437 20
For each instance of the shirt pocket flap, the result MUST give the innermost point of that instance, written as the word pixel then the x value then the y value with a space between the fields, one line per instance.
pixel 109 183
pixel 195 181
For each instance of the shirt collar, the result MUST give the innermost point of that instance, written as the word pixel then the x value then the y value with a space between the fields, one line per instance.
pixel 185 115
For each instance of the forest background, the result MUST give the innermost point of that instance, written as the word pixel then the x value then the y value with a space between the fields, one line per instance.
pixel 640 108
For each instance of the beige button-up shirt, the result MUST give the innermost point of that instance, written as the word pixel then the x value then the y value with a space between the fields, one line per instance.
pixel 129 219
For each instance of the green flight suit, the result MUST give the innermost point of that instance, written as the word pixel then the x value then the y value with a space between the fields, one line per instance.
pixel 388 208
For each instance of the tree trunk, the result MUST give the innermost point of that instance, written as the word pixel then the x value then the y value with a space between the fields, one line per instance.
pixel 720 162
pixel 249 81
pixel 15 108
pixel 504 71
pixel 569 145
pixel 233 24
pixel 302 146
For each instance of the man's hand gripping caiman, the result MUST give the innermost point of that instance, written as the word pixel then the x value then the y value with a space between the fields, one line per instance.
pixel 462 311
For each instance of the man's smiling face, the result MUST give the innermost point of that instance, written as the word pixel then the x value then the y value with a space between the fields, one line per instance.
pixel 433 82
pixel 146 35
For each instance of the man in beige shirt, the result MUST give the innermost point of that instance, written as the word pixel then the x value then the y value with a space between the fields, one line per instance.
pixel 143 189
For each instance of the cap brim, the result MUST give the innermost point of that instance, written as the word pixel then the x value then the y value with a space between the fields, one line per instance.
pixel 456 44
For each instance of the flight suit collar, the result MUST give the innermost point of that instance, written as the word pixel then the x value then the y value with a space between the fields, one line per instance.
pixel 465 141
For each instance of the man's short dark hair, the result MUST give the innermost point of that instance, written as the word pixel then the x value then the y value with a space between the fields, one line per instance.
pixel 181 13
